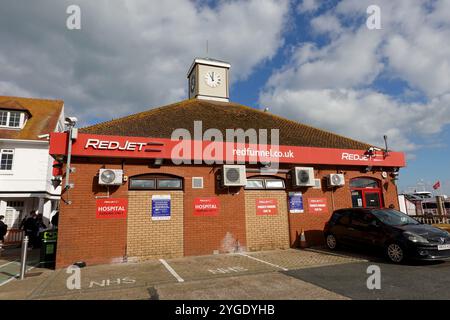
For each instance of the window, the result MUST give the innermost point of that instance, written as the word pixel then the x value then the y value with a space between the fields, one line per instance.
pixel 364 183
pixel 197 182
pixel 14 119
pixel 6 159
pixel 254 184
pixel 169 183
pixel 142 184
pixel 274 184
pixel 11 119
pixel 3 118
pixel 362 219
pixel 155 182
pixel 264 183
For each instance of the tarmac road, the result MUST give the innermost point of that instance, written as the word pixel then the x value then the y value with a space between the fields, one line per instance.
pixel 418 280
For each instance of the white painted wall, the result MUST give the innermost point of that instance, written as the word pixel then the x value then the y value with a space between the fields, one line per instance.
pixel 30 177
pixel 32 168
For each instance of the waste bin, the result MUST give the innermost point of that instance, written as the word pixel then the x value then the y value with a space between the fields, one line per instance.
pixel 48 248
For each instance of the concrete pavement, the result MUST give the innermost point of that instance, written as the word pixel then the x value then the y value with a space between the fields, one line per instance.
pixel 231 276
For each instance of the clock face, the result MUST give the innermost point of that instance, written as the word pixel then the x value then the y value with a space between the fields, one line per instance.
pixel 192 82
pixel 213 79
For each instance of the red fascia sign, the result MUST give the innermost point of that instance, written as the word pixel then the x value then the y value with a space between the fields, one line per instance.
pixel 317 205
pixel 88 145
pixel 266 207
pixel 206 206
pixel 112 208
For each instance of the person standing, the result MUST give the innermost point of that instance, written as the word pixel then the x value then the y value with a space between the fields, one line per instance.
pixel 31 228
pixel 54 220
pixel 3 230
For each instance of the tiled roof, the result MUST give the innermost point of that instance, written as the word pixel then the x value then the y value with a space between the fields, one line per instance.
pixel 162 121
pixel 43 117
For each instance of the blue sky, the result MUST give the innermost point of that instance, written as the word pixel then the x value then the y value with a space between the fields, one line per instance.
pixel 312 61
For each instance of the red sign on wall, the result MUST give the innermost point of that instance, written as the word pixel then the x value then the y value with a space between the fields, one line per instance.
pixel 266 207
pixel 317 205
pixel 88 145
pixel 112 208
pixel 206 206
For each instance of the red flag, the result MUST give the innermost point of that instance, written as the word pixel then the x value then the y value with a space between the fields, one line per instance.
pixel 437 185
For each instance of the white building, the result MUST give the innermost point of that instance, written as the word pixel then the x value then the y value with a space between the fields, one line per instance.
pixel 26 169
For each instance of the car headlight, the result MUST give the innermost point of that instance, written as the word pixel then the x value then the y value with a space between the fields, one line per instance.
pixel 414 237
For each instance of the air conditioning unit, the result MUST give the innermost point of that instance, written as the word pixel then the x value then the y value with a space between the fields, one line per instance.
pixel 110 177
pixel 303 177
pixel 233 175
pixel 336 180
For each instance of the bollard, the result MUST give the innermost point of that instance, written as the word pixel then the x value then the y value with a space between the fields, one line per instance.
pixel 23 257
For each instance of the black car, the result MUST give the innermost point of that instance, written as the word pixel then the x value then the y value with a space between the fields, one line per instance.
pixel 398 235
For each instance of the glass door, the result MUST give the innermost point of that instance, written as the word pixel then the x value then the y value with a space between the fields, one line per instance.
pixel 372 199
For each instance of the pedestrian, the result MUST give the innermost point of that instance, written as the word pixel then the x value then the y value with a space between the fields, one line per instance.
pixel 40 227
pixel 55 220
pixel 31 228
pixel 3 230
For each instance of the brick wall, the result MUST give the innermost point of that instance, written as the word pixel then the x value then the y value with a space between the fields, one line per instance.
pixel 83 237
pixel 149 238
pixel 313 223
pixel 266 232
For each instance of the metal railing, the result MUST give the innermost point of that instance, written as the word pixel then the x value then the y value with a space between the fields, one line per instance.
pixel 435 219
pixel 14 236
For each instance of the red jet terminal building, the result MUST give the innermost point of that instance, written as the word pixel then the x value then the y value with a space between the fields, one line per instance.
pixel 127 197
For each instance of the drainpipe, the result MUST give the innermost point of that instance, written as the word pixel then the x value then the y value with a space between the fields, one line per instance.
pixel 72 135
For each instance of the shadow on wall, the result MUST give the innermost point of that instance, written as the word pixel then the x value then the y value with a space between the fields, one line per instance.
pixel 312 237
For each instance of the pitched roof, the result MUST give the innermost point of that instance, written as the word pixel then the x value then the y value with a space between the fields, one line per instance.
pixel 43 116
pixel 160 123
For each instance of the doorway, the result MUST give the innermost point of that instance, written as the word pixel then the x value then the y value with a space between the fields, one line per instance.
pixel 366 193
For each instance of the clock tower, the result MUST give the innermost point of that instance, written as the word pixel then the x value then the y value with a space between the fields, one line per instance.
pixel 209 79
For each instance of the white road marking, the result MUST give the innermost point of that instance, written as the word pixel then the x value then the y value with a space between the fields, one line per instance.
pixel 15 276
pixel 8 263
pixel 170 269
pixel 266 262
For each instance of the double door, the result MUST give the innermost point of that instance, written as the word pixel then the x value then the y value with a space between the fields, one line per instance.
pixel 367 198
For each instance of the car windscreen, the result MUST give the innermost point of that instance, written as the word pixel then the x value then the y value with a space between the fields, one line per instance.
pixel 393 217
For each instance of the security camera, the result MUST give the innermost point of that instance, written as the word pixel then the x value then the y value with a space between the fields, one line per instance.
pixel 394 174
pixel 71 120
pixel 373 149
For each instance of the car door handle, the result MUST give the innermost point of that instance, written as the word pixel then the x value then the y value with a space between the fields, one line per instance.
pixel 352 229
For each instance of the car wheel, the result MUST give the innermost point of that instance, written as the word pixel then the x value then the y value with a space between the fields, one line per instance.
pixel 395 253
pixel 331 241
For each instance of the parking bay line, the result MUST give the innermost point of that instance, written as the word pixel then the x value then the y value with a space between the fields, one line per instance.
pixel 8 263
pixel 17 275
pixel 266 262
pixel 170 269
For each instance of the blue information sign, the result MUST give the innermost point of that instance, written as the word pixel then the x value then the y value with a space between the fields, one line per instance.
pixel 161 207
pixel 295 202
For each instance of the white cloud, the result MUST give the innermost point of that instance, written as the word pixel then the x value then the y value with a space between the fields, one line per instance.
pixel 308 6
pixel 332 86
pixel 130 55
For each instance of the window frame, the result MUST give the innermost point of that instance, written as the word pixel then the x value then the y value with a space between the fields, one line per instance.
pixel 21 115
pixel 7 151
pixel 156 178
pixel 264 183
